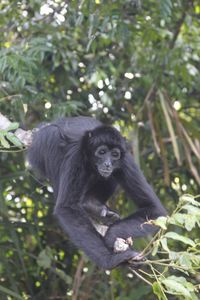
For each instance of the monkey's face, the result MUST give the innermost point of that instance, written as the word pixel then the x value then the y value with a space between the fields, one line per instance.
pixel 107 159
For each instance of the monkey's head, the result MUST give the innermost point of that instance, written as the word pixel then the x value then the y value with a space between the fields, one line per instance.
pixel 106 148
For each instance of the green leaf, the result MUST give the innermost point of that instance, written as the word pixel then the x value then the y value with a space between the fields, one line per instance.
pixel 12 126
pixel 161 222
pixel 164 244
pixel 178 237
pixel 190 222
pixel 174 286
pixel 173 255
pixel 3 141
pixel 44 259
pixel 13 139
pixel 155 248
pixel 177 219
pixel 190 199
pixel 157 289
pixel 185 261
pixel 192 209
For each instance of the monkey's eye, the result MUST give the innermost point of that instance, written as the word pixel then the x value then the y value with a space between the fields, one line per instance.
pixel 101 151
pixel 116 153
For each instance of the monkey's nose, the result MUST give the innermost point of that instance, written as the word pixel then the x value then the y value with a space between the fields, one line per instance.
pixel 108 164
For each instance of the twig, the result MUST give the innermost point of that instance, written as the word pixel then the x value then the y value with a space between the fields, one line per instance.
pixel 78 278
pixel 144 251
pixel 140 276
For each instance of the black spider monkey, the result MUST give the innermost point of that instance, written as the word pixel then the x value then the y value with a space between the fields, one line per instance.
pixel 85 161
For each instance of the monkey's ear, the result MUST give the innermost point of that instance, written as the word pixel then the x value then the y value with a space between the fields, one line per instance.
pixel 89 134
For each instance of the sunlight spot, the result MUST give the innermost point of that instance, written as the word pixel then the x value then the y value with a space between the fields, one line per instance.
pixel 85 270
pixel 70 293
pixel 60 18
pixel 101 93
pixel 176 179
pixel 175 186
pixel 193 71
pixel 24 13
pixel 138 75
pixel 133 117
pixel 50 189
pixel 100 84
pixel 129 75
pixel 177 105
pixel 94 106
pixel 107 272
pixel 91 99
pixel 81 65
pixel 107 81
pixel 45 9
pixel 127 95
pixel 100 105
pixel 47 105
pixel 184 187
pixel 9 197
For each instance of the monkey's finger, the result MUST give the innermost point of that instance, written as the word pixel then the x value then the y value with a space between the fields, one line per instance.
pixel 113 215
pixel 129 241
pixel 137 258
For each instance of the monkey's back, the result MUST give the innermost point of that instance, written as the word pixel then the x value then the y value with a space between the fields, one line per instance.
pixel 53 141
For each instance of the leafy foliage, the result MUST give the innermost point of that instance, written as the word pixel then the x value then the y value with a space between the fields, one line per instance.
pixel 186 260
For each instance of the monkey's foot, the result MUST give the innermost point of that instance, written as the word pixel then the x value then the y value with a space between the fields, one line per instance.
pixel 121 245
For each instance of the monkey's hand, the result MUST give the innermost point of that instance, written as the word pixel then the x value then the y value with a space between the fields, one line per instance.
pixel 136 261
pixel 109 216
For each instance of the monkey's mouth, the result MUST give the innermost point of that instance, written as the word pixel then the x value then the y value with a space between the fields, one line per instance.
pixel 105 173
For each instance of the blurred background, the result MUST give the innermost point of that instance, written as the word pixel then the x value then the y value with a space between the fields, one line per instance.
pixel 133 64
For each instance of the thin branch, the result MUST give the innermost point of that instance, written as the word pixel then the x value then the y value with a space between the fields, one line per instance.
pixel 140 276
pixel 78 278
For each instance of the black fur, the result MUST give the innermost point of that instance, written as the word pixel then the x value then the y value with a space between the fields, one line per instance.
pixel 62 151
